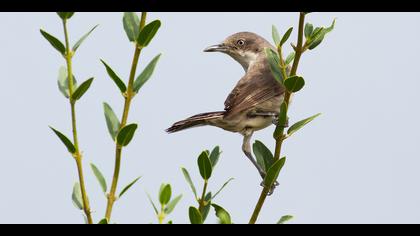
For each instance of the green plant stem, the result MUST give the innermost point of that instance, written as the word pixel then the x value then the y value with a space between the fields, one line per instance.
pixel 128 96
pixel 161 216
pixel 299 49
pixel 202 202
pixel 77 155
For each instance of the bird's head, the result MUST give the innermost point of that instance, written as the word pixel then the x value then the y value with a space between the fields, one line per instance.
pixel 244 47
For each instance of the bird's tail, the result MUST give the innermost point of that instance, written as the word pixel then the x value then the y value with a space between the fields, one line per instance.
pixel 198 120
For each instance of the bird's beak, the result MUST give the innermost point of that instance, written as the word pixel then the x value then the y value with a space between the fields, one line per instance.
pixel 216 48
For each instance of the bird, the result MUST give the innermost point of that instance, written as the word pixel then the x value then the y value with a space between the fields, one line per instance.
pixel 254 103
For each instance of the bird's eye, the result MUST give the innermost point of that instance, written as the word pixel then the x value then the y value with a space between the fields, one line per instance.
pixel 240 42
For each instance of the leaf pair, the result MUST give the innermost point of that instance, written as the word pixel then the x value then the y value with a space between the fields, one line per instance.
pixel 276 37
pixel 59 46
pixel 165 195
pixel 102 182
pixel 139 81
pixel 197 218
pixel 314 37
pixel 122 136
pixel 142 37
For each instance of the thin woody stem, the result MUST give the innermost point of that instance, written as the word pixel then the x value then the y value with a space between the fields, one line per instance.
pixel 279 141
pixel 77 155
pixel 129 94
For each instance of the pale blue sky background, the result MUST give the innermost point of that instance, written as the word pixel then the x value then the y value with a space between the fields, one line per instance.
pixel 357 163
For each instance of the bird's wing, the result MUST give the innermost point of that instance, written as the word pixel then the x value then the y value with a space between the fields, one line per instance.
pixel 254 88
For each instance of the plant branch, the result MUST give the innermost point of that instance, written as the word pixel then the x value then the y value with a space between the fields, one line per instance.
pixel 128 96
pixel 77 155
pixel 279 141
pixel 202 202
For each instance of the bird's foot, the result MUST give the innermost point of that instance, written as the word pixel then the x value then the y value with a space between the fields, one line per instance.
pixel 272 188
pixel 276 121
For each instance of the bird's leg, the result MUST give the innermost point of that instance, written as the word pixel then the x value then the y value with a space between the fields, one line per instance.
pixel 246 147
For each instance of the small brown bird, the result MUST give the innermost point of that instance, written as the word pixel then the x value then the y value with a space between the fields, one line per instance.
pixel 254 103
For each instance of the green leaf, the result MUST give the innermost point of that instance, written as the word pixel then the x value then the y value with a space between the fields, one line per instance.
pixel 290 58
pixel 170 222
pixel 284 219
pixel 80 41
pixel 222 214
pixel 128 186
pixel 65 15
pixel 81 90
pixel 63 82
pixel 317 38
pixel 76 196
pixel 276 36
pixel 59 46
pixel 195 216
pixel 309 28
pixel 214 156
pixel 115 77
pixel 153 204
pixel 220 190
pixel 204 164
pixel 273 172
pixel 294 83
pixel 146 74
pixel 299 125
pixel 190 182
pixel 112 121
pixel 165 195
pixel 148 32
pixel 125 135
pixel 172 204
pixel 131 25
pixel 206 208
pixel 282 119
pixel 286 36
pixel 69 145
pixel 273 60
pixel 103 222
pixel 99 176
pixel 263 155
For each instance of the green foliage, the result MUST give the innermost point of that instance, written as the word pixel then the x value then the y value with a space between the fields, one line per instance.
pixel 57 44
pixel 290 58
pixel 120 84
pixel 82 89
pixel 99 176
pixel 65 15
pixel 284 219
pixel 263 155
pixel 125 135
pixel 273 60
pixel 76 196
pixel 148 32
pixel 195 216
pixel 112 121
pixel 63 82
pixel 103 222
pixel 214 156
pixel 66 141
pixel 146 74
pixel 286 36
pixel 167 204
pixel 294 83
pixel 273 172
pixel 80 41
pixel 205 166
pixel 317 36
pixel 187 177
pixel 126 188
pixel 222 214
pixel 220 190
pixel 276 36
pixel 131 25
pixel 300 124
